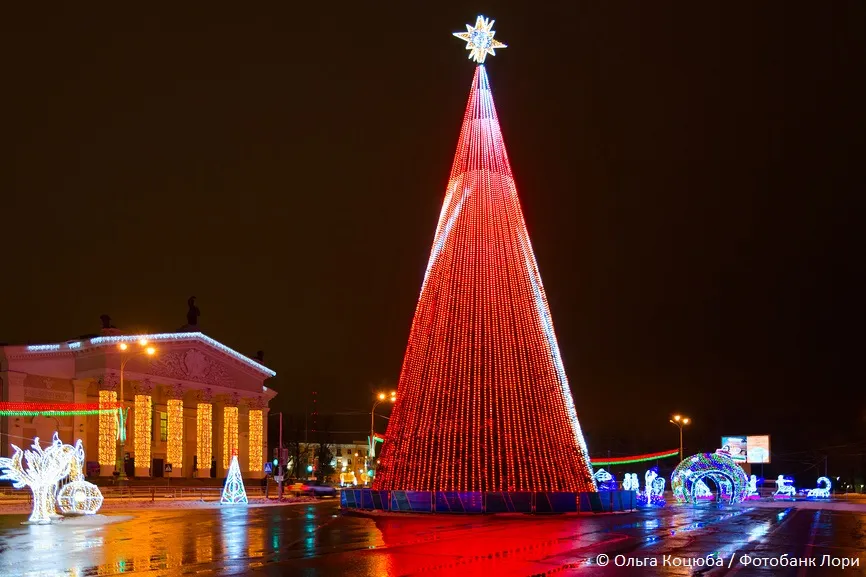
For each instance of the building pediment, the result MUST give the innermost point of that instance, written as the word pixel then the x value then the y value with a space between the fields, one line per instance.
pixel 191 364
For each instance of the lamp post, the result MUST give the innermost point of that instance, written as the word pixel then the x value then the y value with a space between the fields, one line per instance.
pixel 121 414
pixel 680 422
pixel 380 398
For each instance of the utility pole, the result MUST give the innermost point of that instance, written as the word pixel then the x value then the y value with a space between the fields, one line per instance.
pixel 280 460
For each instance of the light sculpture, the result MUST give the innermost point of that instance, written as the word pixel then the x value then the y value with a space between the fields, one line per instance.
pixel 821 492
pixel 42 470
pixel 654 490
pixel 719 468
pixel 483 400
pixel 479 39
pixel 703 492
pixel 752 490
pixel 630 482
pixel 784 488
pixel 604 481
pixel 78 497
pixel 234 492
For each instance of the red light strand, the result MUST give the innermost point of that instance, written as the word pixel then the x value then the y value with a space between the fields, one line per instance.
pixel 483 402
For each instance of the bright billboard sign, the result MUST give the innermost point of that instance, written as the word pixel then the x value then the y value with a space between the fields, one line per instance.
pixel 736 446
pixel 758 448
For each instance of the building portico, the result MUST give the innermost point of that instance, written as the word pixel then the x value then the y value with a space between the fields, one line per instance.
pixel 192 404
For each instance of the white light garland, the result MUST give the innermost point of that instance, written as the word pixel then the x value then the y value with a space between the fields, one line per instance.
pixel 155 337
pixel 42 470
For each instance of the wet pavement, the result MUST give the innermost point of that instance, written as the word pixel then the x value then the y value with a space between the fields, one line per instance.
pixel 317 541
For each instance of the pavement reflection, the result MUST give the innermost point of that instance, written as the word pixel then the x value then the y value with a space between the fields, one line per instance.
pixel 315 540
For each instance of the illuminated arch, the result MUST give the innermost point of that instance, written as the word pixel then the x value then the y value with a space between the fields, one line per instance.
pixel 729 477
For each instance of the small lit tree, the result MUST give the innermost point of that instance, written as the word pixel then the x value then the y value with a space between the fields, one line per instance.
pixel 43 471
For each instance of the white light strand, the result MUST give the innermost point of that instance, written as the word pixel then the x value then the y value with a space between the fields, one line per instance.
pixel 157 337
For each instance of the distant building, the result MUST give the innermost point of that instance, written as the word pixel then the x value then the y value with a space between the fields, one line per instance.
pixel 192 404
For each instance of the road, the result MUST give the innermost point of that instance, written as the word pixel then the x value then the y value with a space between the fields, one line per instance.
pixel 317 541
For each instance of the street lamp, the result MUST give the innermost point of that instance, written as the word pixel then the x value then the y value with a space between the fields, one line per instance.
pixel 126 356
pixel 380 398
pixel 680 422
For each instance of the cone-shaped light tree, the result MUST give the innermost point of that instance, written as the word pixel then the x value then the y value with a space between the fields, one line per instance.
pixel 483 401
pixel 234 492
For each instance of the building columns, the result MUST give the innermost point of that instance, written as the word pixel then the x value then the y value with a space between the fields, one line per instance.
pixel 174 447
pixel 142 428
pixel 107 447
pixel 204 420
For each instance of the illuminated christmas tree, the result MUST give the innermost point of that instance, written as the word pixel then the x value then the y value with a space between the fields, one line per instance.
pixel 234 492
pixel 483 401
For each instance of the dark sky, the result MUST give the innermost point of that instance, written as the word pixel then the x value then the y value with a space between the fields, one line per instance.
pixel 691 176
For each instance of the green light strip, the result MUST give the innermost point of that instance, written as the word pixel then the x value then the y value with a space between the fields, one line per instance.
pixel 630 461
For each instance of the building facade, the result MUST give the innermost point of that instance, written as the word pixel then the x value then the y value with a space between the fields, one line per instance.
pixel 192 403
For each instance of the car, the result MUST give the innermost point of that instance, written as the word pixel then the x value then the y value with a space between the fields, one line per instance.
pixel 316 490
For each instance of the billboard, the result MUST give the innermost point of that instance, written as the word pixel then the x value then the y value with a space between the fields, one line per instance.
pixel 736 446
pixel 758 448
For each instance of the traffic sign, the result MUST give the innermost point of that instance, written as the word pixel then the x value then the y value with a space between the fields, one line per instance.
pixel 168 467
pixel 278 478
pixel 268 468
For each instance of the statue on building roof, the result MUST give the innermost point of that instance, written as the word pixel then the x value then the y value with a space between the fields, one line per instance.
pixel 108 329
pixel 193 313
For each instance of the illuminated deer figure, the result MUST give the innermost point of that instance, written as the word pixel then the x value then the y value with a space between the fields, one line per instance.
pixel 43 470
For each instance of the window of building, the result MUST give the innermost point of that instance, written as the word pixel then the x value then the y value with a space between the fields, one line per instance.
pixel 339 451
pixel 163 427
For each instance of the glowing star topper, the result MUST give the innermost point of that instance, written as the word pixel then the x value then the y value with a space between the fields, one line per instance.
pixel 479 39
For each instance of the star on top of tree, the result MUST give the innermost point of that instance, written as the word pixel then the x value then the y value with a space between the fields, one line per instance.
pixel 479 39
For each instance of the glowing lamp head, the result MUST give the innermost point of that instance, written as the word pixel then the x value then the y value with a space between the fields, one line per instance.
pixel 677 418
pixel 122 346
pixel 150 351
pixel 686 421
pixel 142 342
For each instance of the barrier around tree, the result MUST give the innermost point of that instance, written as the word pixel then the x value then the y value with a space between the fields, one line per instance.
pixel 492 502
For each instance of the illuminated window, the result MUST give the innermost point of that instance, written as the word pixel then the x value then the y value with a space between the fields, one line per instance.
pixel 204 432
pixel 143 434
pixel 107 429
pixel 174 451
pixel 255 440
pixel 230 434
pixel 163 427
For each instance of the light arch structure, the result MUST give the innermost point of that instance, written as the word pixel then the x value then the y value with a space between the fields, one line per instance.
pixel 726 475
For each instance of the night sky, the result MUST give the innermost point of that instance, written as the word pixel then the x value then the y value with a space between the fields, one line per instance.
pixel 691 176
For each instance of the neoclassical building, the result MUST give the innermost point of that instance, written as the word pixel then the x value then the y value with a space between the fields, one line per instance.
pixel 192 402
